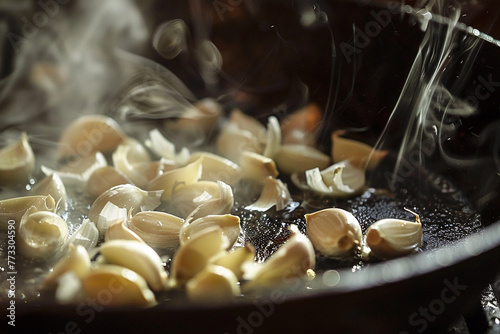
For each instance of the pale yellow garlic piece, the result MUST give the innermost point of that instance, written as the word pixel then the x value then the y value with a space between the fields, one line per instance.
pixel 233 141
pixel 301 126
pixel 359 154
pixel 183 197
pixel 162 147
pixel 52 185
pixel 41 233
pixel 334 232
pixel 172 180
pixel 13 209
pixel 391 238
pixel 118 231
pixel 136 256
pixel 105 178
pixel 275 193
pixel 152 169
pixel 90 134
pixel 299 158
pixel 87 235
pixel 257 167
pixel 157 229
pixel 137 153
pixel 196 253
pixel 76 259
pixel 229 224
pixel 210 205
pixel 273 138
pixel 17 162
pixel 339 180
pixel 122 164
pixel 293 259
pixel 120 286
pixel 248 123
pixel 216 168
pixel 213 285
pixel 236 259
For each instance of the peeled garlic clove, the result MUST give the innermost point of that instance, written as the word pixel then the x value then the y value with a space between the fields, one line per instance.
pixel 118 231
pixel 174 179
pixel 299 158
pixel 301 126
pixel 229 224
pixel 125 196
pixel 138 257
pixel 90 134
pixel 209 205
pixel 52 185
pixel 273 137
pixel 236 260
pixel 275 193
pixel 76 260
pixel 232 142
pixel 13 209
pixel 87 235
pixel 41 233
pixel 122 164
pixel 157 229
pixel 162 147
pixel 257 167
pixel 196 253
pixel 78 171
pixel 17 162
pixel 359 154
pixel 103 179
pixel 183 198
pixel 214 284
pixel 292 259
pixel 334 232
pixel 216 168
pixel 390 238
pixel 125 287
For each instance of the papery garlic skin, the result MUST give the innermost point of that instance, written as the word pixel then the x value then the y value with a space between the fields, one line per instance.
pixel 166 149
pixel 229 224
pixel 273 137
pixel 157 229
pixel 339 180
pixel 275 193
pixel 17 162
pixel 216 168
pixel 76 260
pixel 15 208
pixel 126 287
pixel 209 205
pixel 183 198
pixel 334 232
pixel 52 185
pixel 138 257
pixel 213 285
pixel 122 164
pixel 86 236
pixel 391 238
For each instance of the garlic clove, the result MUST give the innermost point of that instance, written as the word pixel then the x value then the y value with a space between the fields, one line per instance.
pixel 229 224
pixel 13 209
pixel 118 231
pixel 125 196
pixel 214 284
pixel 105 178
pixel 174 179
pixel 122 164
pixel 300 158
pixel 196 253
pixel 137 153
pixel 248 123
pixel 124 286
pixel 350 179
pixel 152 169
pixel 257 167
pixel 334 232
pixel 236 259
pixel 87 235
pixel 41 233
pixel 157 229
pixel 233 141
pixel 301 126
pixel 109 214
pixel 391 238
pixel 76 259
pixel 293 259
pixel 162 147
pixel 273 137
pixel 359 154
pixel 136 256
pixel 17 162
pixel 209 205
pixel 52 185
pixel 275 193
pixel 183 197
pixel 90 134
pixel 216 168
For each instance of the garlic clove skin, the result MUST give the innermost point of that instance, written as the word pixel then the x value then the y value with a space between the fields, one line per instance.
pixel 122 164
pixel 300 158
pixel 216 168
pixel 13 209
pixel 349 176
pixel 196 253
pixel 157 229
pixel 183 198
pixel 90 134
pixel 334 232
pixel 359 154
pixel 162 147
pixel 127 288
pixel 170 181
pixel 213 285
pixel 153 169
pixel 41 233
pixel 391 238
pixel 86 236
pixel 293 259
pixel 229 224
pixel 109 214
pixel 257 167
pixel 52 185
pixel 137 153
pixel 209 205
pixel 273 137
pixel 17 162
pixel 236 260
pixel 76 259
pixel 118 231
pixel 275 193
pixel 136 256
